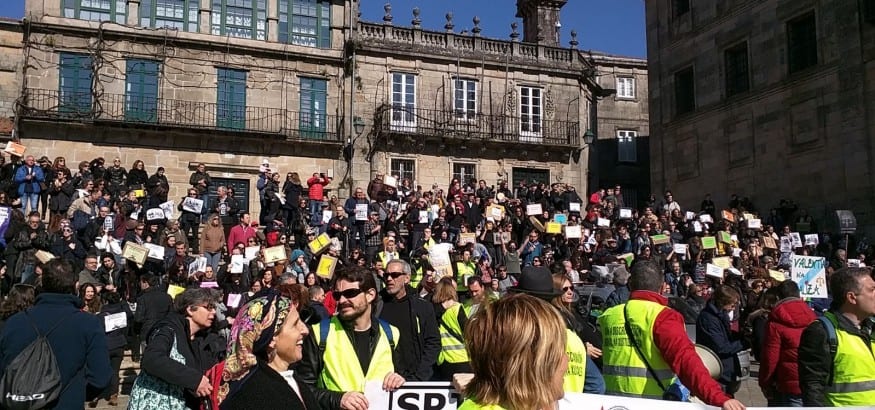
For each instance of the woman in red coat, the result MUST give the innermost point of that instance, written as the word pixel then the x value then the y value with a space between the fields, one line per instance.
pixel 779 372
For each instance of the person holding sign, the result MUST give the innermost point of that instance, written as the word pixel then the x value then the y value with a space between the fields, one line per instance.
pixel 836 366
pixel 116 315
pixel 357 205
pixel 336 348
pixel 190 220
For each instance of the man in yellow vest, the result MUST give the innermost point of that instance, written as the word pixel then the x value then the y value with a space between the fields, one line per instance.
pixel 464 270
pixel 343 353
pixel 640 362
pixel 837 352
pixel 389 252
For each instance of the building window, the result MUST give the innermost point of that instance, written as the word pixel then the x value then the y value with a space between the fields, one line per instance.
pixel 403 102
pixel 464 172
pixel 179 14
pixel 737 74
pixel 231 95
pixel 75 87
pixel 465 98
pixel 305 22
pixel 627 146
pixel 684 91
pixel 802 42
pixel 530 113
pixel 240 187
pixel 626 87
pixel 96 10
pixel 530 176
pixel 313 95
pixel 681 7
pixel 141 90
pixel 404 168
pixel 240 18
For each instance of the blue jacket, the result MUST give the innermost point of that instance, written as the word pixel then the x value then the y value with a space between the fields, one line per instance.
pixel 712 331
pixel 21 174
pixel 79 344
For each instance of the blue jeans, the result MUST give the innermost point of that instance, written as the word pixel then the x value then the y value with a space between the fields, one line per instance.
pixel 315 212
pixel 33 199
pixel 785 400
pixel 213 259
pixel 593 381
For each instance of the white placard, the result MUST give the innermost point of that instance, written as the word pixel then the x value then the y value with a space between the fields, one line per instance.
pixel 697 226
pixel 809 272
pixel 754 224
pixel 705 218
pixel 115 321
pixel 735 271
pixel 194 205
pixel 250 252
pixel 603 222
pixel 573 232
pixel 199 265
pixel 361 212
pixel 155 214
pixel 326 216
pixel 796 239
pixel 495 212
pixel 234 300
pixel 680 249
pixel 423 217
pixel 625 213
pixel 690 215
pixel 812 239
pixel 786 244
pixel 713 270
pixel 736 252
pixel 237 262
pixel 390 181
pixel 155 251
pixel 108 224
pixel 169 208
pixel 533 209
pixel 574 206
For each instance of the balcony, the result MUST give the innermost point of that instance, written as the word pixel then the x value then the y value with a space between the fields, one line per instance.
pixel 163 113
pixel 504 129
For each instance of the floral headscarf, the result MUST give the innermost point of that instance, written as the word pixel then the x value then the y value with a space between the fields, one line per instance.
pixel 256 324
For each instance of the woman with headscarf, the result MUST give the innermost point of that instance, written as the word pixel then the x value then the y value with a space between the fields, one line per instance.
pixel 266 340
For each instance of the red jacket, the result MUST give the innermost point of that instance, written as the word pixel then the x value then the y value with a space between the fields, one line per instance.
pixel 240 234
pixel 778 361
pixel 670 337
pixel 317 187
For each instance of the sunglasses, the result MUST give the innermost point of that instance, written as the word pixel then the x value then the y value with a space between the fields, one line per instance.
pixel 349 293
pixel 395 275
pixel 566 288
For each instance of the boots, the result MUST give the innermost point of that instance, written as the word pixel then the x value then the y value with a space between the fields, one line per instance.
pixel 113 400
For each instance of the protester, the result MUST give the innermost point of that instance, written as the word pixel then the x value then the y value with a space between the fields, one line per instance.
pixel 713 331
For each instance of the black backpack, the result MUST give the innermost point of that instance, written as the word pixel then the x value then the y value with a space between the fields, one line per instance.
pixel 32 380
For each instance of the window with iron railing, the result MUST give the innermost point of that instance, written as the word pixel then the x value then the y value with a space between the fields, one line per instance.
pixel 75 72
pixel 403 102
pixel 465 98
pixel 141 90
pixel 314 93
pixel 240 18
pixel 305 22
pixel 231 98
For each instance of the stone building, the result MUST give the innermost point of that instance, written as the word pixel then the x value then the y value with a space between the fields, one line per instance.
pixel 306 86
pixel 769 100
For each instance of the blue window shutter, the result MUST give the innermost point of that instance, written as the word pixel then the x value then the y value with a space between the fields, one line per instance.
pixel 312 116
pixel 231 95
pixel 74 94
pixel 141 90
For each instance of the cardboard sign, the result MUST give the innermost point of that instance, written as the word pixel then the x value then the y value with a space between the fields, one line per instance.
pixel 135 253
pixel 724 237
pixel 174 291
pixel 275 254
pixel 809 272
pixel 155 251
pixel 495 211
pixel 155 214
pixel 574 206
pixel 603 223
pixel 713 270
pixel 115 321
pixel 754 224
pixel 709 242
pixel 325 269
pixel 237 264
pixel 728 216
pixel 466 238
pixel 554 228
pixel 573 232
pixel 723 262
pixel 812 239
pixel 361 212
pixel 319 244
pixel 561 219
pixel 43 256
pixel 769 242
pixel 536 223
pixel 534 209
pixel 14 148
pixel 194 205
pixel 390 181
pixel 660 239
pixel 625 213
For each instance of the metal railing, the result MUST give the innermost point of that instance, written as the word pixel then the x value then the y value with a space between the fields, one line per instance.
pixel 475 126
pixel 151 111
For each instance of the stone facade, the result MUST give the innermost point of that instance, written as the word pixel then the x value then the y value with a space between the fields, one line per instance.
pixel 10 72
pixel 783 103
pixel 189 121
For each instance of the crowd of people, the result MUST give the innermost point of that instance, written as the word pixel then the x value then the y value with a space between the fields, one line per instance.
pixel 302 304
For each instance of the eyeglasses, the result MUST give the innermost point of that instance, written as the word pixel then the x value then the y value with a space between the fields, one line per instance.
pixel 208 306
pixel 349 293
pixel 395 275
pixel 566 288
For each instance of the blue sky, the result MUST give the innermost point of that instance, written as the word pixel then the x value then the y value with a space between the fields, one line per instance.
pixel 613 26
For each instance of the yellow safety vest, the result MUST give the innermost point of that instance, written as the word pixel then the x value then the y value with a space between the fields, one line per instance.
pixel 471 405
pixel 575 376
pixel 466 270
pixel 853 370
pixel 624 371
pixel 416 277
pixel 340 371
pixel 452 348
pixel 382 255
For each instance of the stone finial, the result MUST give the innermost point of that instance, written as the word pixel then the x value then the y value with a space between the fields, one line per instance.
pixel 417 21
pixel 387 18
pixel 476 30
pixel 573 43
pixel 464 32
pixel 514 35
pixel 449 26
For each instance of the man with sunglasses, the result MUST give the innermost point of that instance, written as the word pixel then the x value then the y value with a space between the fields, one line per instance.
pixel 343 353
pixel 419 342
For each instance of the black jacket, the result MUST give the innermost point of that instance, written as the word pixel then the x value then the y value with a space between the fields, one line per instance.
pixel 712 331
pixel 117 339
pixel 152 306
pixel 310 367
pixel 426 343
pixel 816 361
pixel 265 389
pixel 200 355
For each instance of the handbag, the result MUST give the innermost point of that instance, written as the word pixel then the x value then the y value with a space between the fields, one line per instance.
pixel 151 393
pixel 673 392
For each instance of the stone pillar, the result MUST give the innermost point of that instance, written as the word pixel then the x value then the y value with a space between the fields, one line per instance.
pixel 540 19
pixel 134 12
pixel 204 20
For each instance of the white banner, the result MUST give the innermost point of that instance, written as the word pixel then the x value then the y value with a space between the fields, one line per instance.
pixel 809 272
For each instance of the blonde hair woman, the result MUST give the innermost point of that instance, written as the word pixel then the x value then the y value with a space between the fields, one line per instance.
pixel 512 346
pixel 452 317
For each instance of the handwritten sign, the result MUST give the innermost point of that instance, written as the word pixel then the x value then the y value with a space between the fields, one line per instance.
pixel 361 212
pixel 709 242
pixel 135 253
pixel 625 213
pixel 603 223
pixel 754 224
pixel 809 272
pixel 327 264
pixel 706 219
pixel 573 232
pixel 574 206
pixel 713 270
pixel 275 254
pixel 680 249
pixel 534 209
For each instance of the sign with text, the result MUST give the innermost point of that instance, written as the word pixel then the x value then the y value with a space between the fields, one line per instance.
pixel 809 272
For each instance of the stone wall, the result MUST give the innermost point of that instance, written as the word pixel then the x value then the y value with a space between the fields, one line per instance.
pixel 11 60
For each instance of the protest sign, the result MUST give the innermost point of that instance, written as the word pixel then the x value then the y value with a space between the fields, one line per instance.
pixel 723 262
pixel 573 232
pixel 777 275
pixel 809 272
pixel 796 239
pixel 108 224
pixel 275 254
pixel 4 223
pixel 625 213
pixel 709 242
pixel 280 197
pixel 628 257
pixel 234 300
pixel 210 284
pixel 554 228
pixel 423 217
pixel 320 243
pixel 325 269
pixel 237 264
pixel 495 211
pixel 537 224
pixel 735 272
pixel 140 193
pixel 361 212
pixel 194 205
pixel 853 263
pixel 43 256
pixel 155 251
pixel 390 181
pixel 466 238
pixel 697 226
pixel 660 239
pixel 724 237
pixel 574 207
pixel 812 239
pixel 115 321
pixel 439 256
pixel 786 244
pixel 174 291
pixel 561 219
pixel 14 148
pixel 754 224
pixel 713 270
pixel 199 265
pixel 689 215
pixel 155 214
pixel 135 253
pixel 680 249
pixel 728 216
pixel 769 243
pixel 603 223
pixel 326 216
pixel 251 252
pixel 706 219
pixel 847 221
pixel 534 209
pixel 168 207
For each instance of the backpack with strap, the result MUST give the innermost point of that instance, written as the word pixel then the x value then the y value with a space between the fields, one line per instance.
pixel 325 326
pixel 833 339
pixel 462 317
pixel 32 380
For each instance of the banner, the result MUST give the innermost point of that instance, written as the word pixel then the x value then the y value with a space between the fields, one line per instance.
pixel 809 272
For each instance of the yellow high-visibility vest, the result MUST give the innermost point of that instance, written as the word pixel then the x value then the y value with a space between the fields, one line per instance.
pixel 341 371
pixel 853 370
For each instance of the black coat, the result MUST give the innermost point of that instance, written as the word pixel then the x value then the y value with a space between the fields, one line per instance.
pixel 427 340
pixel 152 306
pixel 712 331
pixel 117 339
pixel 265 389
